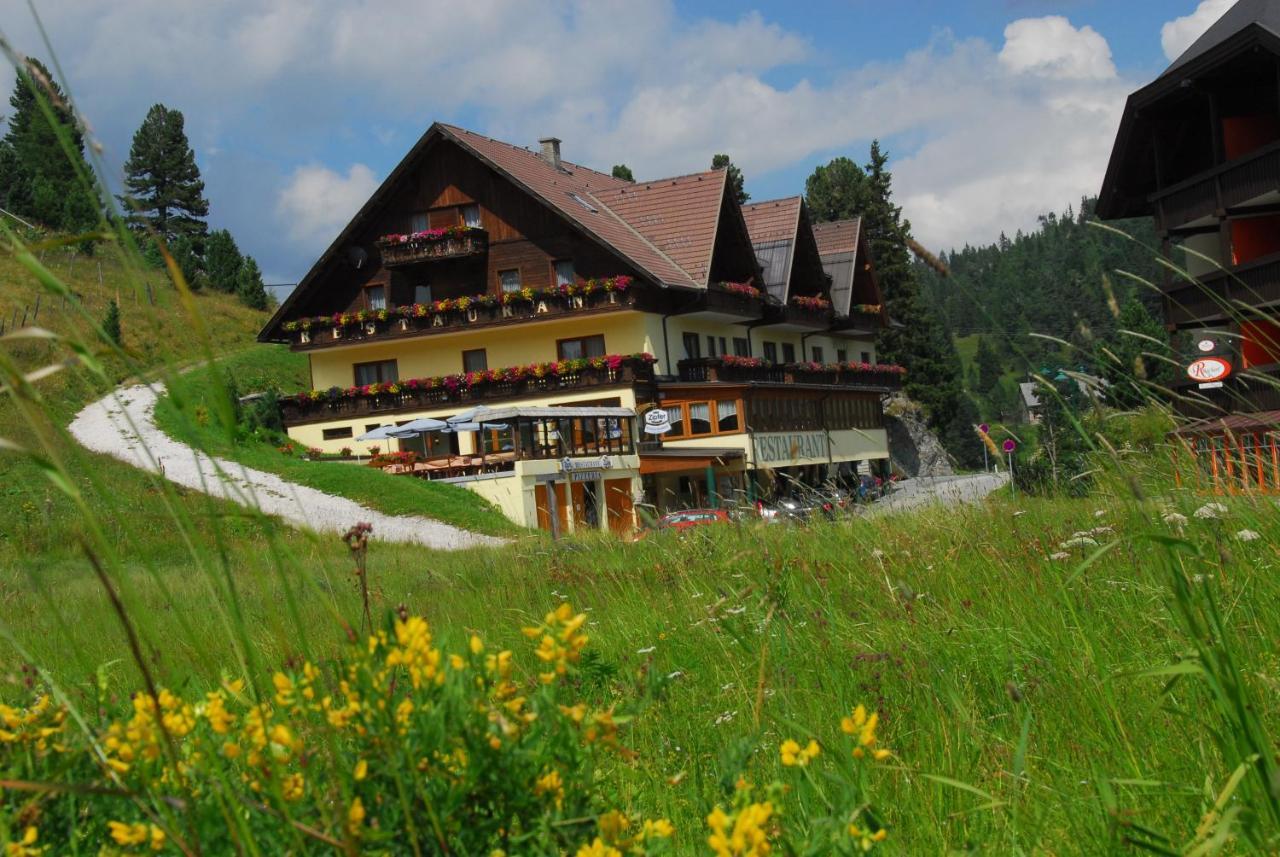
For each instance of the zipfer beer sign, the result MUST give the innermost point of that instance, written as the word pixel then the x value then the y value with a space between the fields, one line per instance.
pixel 1207 370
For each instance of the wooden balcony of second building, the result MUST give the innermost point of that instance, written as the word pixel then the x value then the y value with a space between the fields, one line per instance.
pixel 454 242
pixel 755 371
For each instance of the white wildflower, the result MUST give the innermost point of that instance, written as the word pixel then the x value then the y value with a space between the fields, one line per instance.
pixel 876 553
pixel 1175 520
pixel 1210 511
pixel 725 717
pixel 1020 513
pixel 1079 542
pixel 736 611
pixel 1247 535
pixel 672 676
pixel 646 650
pixel 1100 513
pixel 1060 555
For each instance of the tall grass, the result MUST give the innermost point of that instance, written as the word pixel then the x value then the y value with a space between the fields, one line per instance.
pixel 1053 675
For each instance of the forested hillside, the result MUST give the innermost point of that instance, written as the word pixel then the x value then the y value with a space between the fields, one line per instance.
pixel 1062 281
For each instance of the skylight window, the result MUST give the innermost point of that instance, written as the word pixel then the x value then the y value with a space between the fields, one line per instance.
pixel 582 202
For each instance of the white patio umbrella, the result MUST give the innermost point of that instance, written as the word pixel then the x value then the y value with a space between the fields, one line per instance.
pixel 469 420
pixel 380 433
pixel 418 426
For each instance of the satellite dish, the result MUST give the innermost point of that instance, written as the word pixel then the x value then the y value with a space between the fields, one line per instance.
pixel 357 256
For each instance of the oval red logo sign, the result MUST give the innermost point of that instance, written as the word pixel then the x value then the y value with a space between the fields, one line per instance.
pixel 1208 369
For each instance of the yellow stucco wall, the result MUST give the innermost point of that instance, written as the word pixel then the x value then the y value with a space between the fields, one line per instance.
pixel 441 353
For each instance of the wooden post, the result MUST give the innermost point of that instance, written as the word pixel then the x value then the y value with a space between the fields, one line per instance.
pixel 36 314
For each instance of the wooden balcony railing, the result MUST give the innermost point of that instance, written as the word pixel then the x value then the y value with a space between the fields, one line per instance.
pixel 336 404
pixel 798 316
pixel 714 369
pixel 1226 187
pixel 450 317
pixel 1220 295
pixel 412 251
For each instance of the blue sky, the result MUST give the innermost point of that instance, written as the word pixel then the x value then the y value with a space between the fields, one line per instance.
pixel 993 111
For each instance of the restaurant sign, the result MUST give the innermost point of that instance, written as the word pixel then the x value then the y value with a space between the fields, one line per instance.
pixel 791 446
pixel 1209 370
pixel 602 462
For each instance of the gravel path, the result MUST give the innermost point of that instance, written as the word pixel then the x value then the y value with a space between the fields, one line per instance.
pixel 941 490
pixel 122 425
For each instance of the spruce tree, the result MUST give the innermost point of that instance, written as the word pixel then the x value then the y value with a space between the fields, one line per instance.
pixel 43 174
pixel 960 437
pixel 988 365
pixel 1130 359
pixel 111 323
pixel 722 162
pixel 622 171
pixel 915 340
pixel 186 254
pixel 164 189
pixel 250 288
pixel 222 261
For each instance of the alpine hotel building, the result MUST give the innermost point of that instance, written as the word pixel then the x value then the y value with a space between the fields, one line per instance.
pixel 486 274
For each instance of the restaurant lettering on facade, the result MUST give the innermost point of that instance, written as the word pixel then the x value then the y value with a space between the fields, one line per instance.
pixel 792 446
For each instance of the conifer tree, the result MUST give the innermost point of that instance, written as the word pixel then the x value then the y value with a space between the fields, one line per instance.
pixel 164 189
pixel 111 323
pixel 222 261
pixel 916 340
pixel 722 162
pixel 622 171
pixel 987 362
pixel 250 288
pixel 39 178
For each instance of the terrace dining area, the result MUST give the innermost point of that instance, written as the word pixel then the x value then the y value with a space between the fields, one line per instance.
pixel 487 442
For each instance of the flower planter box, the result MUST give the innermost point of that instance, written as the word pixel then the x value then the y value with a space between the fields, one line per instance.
pixel 412 251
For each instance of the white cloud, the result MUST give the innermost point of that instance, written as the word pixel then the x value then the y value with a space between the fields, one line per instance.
pixel 1177 35
pixel 1052 47
pixel 317 202
pixel 302 96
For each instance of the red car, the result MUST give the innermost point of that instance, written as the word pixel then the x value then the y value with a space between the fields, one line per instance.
pixel 687 519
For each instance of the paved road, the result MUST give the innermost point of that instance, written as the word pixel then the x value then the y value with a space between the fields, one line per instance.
pixel 942 490
pixel 123 426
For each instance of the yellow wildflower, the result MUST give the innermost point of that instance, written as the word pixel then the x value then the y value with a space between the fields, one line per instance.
pixel 598 848
pixel 550 784
pixel 866 839
pixel 477 645
pixel 863 726
pixel 362 770
pixel 127 834
pixel 26 846
pixel 743 834
pixel 658 828
pixel 795 755
pixel 355 816
pixel 293 787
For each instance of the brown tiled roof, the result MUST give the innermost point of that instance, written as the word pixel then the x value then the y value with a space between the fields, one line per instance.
pixel 837 236
pixel 559 187
pixel 677 215
pixel 772 220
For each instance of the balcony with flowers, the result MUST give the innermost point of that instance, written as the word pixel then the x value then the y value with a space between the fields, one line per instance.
pixel 754 370
pixel 488 386
pixel 800 312
pixel 452 314
pixel 452 242
pixel 728 302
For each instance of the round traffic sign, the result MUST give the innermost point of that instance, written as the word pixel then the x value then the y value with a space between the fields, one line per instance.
pixel 1009 445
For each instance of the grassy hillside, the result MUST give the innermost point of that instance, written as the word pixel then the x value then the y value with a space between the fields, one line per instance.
pixel 191 410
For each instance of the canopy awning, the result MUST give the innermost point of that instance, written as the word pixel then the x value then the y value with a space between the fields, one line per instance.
pixel 674 460
pixel 1250 422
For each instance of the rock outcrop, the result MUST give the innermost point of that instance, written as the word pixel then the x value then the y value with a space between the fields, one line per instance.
pixel 914 450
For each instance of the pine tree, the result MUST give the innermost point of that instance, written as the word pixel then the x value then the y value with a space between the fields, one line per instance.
pixel 622 171
pixel 222 261
pixel 917 341
pixel 163 184
pixel 250 289
pixel 187 256
pixel 1133 377
pixel 111 323
pixel 39 178
pixel 960 436
pixel 988 365
pixel 722 162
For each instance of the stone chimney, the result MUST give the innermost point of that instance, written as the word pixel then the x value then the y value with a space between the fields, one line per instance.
pixel 551 150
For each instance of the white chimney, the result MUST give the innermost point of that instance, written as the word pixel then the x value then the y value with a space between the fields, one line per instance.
pixel 551 150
